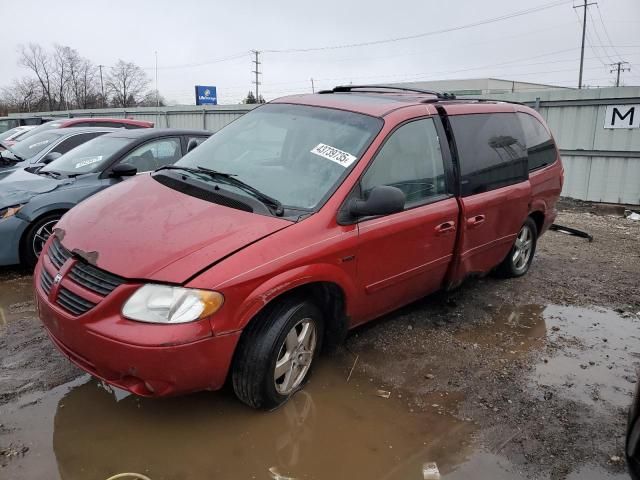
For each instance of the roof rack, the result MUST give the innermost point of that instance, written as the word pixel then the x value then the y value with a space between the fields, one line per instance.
pixel 475 99
pixel 350 88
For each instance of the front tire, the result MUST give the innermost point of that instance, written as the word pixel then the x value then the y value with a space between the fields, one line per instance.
pixel 276 353
pixel 519 259
pixel 36 237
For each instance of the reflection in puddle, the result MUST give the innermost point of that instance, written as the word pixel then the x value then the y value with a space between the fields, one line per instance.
pixel 333 429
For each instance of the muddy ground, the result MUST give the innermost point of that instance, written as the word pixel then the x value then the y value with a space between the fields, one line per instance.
pixel 500 379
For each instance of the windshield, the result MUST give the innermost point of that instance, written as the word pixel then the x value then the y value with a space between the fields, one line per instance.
pixel 29 147
pixel 89 157
pixel 41 128
pixel 8 134
pixel 293 153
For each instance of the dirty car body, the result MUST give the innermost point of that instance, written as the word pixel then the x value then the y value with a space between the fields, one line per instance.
pixel 369 199
pixel 30 196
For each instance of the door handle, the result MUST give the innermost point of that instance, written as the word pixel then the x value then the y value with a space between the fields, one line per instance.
pixel 445 227
pixel 476 220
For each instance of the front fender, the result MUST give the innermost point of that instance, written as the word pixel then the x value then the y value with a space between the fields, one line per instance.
pixel 287 281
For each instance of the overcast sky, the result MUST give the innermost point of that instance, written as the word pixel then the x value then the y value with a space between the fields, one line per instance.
pixel 189 35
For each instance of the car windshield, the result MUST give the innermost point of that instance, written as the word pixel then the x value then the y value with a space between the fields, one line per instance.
pixel 9 133
pixel 295 154
pixel 29 147
pixel 89 157
pixel 41 128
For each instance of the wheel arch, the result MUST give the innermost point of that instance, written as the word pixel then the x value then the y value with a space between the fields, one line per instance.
pixel 538 218
pixel 326 285
pixel 33 220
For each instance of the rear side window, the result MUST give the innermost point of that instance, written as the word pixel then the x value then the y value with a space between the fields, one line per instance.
pixel 491 150
pixel 540 145
pixel 410 160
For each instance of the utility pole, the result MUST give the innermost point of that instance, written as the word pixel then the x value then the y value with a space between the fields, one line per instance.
pixel 313 88
pixel 257 72
pixel 584 31
pixel 619 67
pixel 101 84
pixel 157 94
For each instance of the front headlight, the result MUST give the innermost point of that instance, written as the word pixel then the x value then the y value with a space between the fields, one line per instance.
pixel 169 305
pixel 10 211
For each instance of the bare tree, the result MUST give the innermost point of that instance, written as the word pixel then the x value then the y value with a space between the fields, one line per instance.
pixel 22 95
pixel 126 83
pixel 36 59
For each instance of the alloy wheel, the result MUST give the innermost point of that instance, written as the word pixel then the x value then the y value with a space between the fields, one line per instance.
pixel 295 356
pixel 41 236
pixel 522 248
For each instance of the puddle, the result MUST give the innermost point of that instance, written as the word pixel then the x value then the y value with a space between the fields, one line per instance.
pixel 16 298
pixel 598 352
pixel 588 354
pixel 333 429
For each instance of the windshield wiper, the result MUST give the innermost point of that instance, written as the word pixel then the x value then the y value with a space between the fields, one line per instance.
pixel 230 179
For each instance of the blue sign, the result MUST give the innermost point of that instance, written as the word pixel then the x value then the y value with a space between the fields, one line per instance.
pixel 206 95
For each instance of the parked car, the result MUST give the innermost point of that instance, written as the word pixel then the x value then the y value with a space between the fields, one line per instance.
pixel 46 147
pixel 32 202
pixel 7 123
pixel 10 137
pixel 304 218
pixel 90 122
pixel 633 436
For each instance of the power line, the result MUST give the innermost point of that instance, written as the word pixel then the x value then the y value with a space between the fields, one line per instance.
pixel 606 32
pixel 426 34
pixel 600 42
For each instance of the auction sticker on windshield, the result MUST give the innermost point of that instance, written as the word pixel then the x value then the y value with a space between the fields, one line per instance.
pixel 335 155
pixel 89 161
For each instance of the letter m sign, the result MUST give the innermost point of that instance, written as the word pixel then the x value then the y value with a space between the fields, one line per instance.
pixel 622 116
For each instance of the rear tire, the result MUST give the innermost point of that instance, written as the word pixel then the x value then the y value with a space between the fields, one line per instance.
pixel 519 259
pixel 36 236
pixel 276 353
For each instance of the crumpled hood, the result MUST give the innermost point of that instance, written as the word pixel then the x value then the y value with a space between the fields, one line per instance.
pixel 141 229
pixel 21 186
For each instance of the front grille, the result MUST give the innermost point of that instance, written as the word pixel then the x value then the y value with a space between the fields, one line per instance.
pixel 82 274
pixel 46 281
pixel 73 303
pixel 94 279
pixel 58 254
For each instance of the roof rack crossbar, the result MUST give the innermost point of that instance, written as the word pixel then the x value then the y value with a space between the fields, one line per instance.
pixel 350 88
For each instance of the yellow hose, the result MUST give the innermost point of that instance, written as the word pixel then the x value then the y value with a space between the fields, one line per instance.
pixel 135 476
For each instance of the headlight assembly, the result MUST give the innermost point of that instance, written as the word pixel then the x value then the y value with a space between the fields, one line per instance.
pixel 171 305
pixel 9 211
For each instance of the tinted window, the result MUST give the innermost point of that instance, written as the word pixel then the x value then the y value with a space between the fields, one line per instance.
pixel 75 140
pixel 410 160
pixel 540 145
pixel 491 150
pixel 155 154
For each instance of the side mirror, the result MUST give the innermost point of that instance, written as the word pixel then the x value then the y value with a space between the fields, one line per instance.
pixel 193 143
pixel 123 170
pixel 383 200
pixel 50 157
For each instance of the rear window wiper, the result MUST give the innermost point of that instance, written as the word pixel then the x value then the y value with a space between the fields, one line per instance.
pixel 230 179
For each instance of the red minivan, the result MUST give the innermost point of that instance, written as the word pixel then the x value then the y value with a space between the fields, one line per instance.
pixel 302 219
